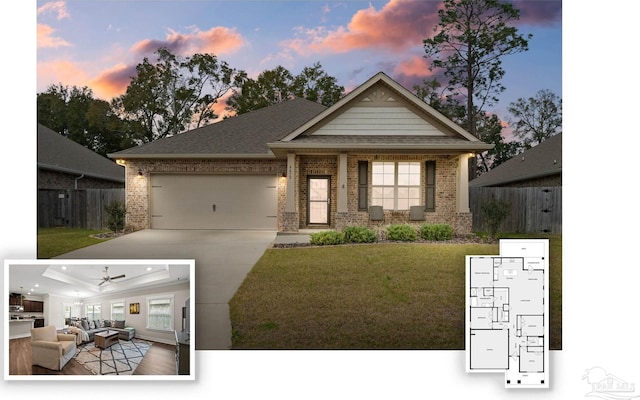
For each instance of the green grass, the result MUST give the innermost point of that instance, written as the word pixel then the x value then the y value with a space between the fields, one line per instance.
pixel 378 296
pixel 53 242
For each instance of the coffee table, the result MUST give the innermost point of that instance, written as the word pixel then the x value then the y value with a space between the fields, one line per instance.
pixel 105 339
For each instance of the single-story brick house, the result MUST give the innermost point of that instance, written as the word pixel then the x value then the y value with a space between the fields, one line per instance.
pixel 378 156
pixel 538 166
pixel 65 164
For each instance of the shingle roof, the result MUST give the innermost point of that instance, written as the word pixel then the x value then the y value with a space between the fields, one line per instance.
pixel 58 153
pixel 245 134
pixel 545 159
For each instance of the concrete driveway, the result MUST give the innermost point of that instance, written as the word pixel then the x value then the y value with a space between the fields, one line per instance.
pixel 222 260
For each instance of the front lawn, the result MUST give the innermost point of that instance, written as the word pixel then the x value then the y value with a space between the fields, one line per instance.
pixel 53 242
pixel 379 296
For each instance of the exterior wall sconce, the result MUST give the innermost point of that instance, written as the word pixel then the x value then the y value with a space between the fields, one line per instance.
pixel 120 161
pixel 283 175
pixel 140 173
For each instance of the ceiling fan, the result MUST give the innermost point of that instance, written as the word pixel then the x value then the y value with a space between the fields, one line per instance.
pixel 107 278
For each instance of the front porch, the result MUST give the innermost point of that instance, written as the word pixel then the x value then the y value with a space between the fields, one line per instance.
pixel 339 190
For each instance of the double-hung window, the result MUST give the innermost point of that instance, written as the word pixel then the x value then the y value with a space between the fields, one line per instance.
pixel 93 312
pixel 117 310
pixel 160 312
pixel 395 185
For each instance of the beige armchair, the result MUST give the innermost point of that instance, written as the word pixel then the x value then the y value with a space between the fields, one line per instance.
pixel 50 349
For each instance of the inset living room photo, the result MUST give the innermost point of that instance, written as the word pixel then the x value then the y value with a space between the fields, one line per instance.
pixel 99 319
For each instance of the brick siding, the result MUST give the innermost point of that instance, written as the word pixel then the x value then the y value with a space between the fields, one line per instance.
pixel 138 187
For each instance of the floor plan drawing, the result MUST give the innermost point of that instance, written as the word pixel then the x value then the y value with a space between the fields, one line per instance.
pixel 507 313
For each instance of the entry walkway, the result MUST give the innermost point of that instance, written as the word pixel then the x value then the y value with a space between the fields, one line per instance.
pixel 222 260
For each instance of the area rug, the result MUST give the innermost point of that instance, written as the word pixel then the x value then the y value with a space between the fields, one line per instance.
pixel 120 358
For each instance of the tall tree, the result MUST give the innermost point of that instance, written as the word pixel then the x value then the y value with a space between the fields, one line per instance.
pixel 279 84
pixel 269 88
pixel 489 129
pixel 75 113
pixel 314 84
pixel 488 126
pixel 175 93
pixel 470 40
pixel 537 118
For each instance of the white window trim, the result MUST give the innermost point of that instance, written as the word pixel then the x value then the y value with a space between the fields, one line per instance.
pixel 395 185
pixel 113 302
pixel 171 298
pixel 86 309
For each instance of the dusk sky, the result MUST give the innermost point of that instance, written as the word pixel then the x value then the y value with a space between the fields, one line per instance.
pixel 99 43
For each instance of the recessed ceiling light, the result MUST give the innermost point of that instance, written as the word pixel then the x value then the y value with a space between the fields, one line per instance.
pixel 28 293
pixel 64 268
pixel 149 268
pixel 32 289
pixel 36 285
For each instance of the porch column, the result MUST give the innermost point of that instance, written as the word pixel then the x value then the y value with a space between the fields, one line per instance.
pixel 342 206
pixel 462 192
pixel 290 205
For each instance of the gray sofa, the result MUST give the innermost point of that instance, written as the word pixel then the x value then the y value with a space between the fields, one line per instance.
pixel 95 326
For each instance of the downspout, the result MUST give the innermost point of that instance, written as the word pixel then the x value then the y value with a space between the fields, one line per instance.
pixel 75 183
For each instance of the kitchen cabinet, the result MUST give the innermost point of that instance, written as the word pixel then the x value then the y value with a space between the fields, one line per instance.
pixel 33 306
pixel 14 299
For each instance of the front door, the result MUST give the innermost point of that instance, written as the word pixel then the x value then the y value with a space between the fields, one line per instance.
pixel 319 201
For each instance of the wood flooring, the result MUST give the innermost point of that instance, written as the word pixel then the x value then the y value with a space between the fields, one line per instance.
pixel 159 360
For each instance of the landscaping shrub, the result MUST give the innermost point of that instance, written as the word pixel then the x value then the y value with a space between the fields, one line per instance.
pixel 436 232
pixel 116 211
pixel 402 232
pixel 494 212
pixel 359 234
pixel 324 238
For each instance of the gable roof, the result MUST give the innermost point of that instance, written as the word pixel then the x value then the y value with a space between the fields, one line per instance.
pixel 60 154
pixel 245 135
pixel 380 114
pixel 545 159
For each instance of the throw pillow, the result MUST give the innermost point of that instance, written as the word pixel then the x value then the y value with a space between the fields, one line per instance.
pixel 106 323
pixel 85 325
pixel 118 324
pixel 98 323
pixel 92 324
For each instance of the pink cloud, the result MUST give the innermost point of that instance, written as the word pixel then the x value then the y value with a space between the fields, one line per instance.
pixel 64 72
pixel 399 25
pixel 415 66
pixel 217 40
pixel 45 37
pixel 113 82
pixel 58 7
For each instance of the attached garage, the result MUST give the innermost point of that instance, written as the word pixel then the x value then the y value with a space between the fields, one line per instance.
pixel 181 201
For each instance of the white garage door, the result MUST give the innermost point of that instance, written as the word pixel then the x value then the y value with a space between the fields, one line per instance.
pixel 214 201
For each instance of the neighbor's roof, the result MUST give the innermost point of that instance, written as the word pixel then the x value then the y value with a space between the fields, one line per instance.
pixel 58 153
pixel 245 135
pixel 545 159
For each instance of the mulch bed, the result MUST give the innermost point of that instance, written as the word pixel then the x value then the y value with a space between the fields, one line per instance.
pixel 108 235
pixel 456 240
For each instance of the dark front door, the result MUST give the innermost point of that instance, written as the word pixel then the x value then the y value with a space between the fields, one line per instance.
pixel 319 201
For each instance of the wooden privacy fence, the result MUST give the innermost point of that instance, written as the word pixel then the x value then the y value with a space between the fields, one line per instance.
pixel 81 208
pixel 532 209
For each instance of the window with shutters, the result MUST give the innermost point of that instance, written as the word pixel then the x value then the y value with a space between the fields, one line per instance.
pixel 395 185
